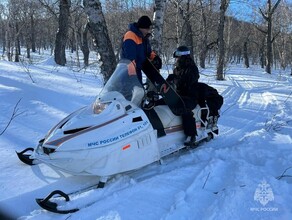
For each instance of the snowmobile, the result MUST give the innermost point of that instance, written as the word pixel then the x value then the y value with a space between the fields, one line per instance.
pixel 118 132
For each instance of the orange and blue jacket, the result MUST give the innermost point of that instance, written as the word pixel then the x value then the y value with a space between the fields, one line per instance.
pixel 136 48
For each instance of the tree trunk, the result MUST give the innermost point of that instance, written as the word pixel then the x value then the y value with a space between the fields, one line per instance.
pixel 187 31
pixel 221 43
pixel 204 37
pixel 269 47
pixel 84 45
pixel 3 46
pixel 16 58
pixel 8 43
pixel 262 54
pixel 28 51
pixel 98 29
pixel 245 54
pixel 33 38
pixel 17 44
pixel 77 48
pixel 268 16
pixel 187 35
pixel 159 9
pixel 184 33
pixel 62 34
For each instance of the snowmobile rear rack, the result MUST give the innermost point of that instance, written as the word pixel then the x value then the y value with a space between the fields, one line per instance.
pixel 52 206
pixel 25 157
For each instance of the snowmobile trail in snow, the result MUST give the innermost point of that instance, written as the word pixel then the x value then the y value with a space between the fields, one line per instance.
pixel 244 109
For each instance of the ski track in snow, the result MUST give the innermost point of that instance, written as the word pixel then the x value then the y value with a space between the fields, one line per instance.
pixel 217 180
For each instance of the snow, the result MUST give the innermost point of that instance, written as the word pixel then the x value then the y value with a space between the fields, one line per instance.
pixel 217 180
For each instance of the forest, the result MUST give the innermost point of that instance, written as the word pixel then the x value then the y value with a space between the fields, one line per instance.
pixel 220 31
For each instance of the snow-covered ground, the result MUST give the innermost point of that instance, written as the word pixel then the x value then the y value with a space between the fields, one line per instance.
pixel 244 173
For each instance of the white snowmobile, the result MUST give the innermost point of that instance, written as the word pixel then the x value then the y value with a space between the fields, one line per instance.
pixel 114 134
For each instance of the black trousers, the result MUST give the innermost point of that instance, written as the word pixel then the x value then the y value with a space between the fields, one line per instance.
pixel 189 122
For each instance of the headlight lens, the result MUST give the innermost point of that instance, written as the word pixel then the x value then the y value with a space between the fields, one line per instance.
pixel 98 107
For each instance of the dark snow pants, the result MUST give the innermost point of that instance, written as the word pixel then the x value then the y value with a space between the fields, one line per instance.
pixel 189 122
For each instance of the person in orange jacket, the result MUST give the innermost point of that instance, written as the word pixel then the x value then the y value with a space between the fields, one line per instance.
pixel 136 46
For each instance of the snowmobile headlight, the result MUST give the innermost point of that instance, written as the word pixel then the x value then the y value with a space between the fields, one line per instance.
pixel 98 107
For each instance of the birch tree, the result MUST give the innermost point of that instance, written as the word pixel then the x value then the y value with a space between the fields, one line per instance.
pixel 184 32
pixel 84 45
pixel 221 43
pixel 98 29
pixel 158 17
pixel 282 44
pixel 2 27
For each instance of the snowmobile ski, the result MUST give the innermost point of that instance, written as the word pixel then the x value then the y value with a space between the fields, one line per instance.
pixel 25 157
pixel 52 206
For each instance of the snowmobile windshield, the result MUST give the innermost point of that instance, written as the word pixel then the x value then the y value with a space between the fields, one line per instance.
pixel 123 80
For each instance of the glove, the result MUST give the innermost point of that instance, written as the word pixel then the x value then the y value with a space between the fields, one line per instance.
pixel 157 62
pixel 171 78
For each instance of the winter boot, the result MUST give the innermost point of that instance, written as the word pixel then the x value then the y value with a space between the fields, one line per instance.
pixel 190 141
pixel 210 122
pixel 215 120
pixel 214 126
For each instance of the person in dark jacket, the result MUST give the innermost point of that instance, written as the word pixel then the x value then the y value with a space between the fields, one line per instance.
pixel 136 46
pixel 185 78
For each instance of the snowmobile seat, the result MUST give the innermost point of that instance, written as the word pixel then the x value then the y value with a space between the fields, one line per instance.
pixel 167 118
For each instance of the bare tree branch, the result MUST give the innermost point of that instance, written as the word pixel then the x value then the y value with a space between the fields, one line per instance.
pixel 50 8
pixel 275 36
pixel 283 174
pixel 15 113
pixel 263 14
pixel 261 30
pixel 275 6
